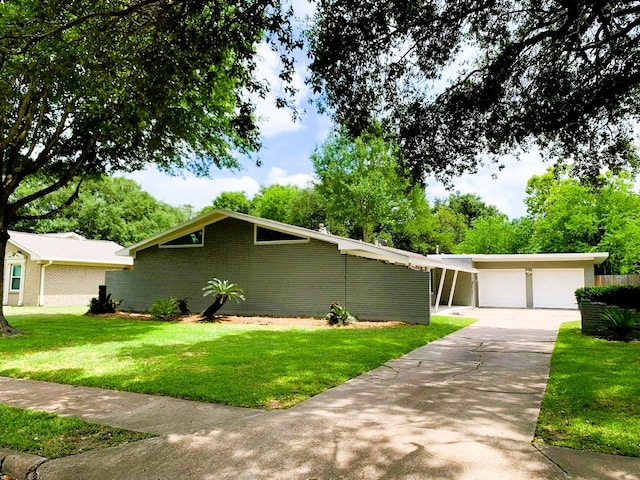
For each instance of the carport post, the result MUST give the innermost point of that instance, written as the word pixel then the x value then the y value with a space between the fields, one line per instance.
pixel 440 287
pixel 453 287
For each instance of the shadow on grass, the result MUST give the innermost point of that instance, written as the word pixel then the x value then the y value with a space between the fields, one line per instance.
pixel 46 331
pixel 240 366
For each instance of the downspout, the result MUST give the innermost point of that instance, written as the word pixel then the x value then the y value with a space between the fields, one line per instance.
pixel 41 296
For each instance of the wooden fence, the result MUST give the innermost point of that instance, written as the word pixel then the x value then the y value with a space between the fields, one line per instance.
pixel 617 280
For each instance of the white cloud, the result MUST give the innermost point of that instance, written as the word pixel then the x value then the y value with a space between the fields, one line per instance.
pixel 506 191
pixel 275 121
pixel 191 190
pixel 280 177
pixel 200 192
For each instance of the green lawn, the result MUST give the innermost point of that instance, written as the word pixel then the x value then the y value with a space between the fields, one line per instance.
pixel 244 365
pixel 51 436
pixel 593 396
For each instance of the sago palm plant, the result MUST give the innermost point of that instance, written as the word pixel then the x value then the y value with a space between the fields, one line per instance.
pixel 223 291
pixel 621 321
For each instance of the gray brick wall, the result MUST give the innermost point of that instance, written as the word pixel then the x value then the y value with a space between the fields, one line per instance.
pixel 301 279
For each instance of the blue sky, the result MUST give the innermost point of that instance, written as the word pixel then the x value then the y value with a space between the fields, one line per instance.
pixel 287 146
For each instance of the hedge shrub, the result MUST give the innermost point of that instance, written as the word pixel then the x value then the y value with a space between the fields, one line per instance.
pixel 623 296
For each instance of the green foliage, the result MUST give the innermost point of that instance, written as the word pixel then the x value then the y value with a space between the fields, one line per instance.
pixel 570 216
pixel 494 235
pixel 591 400
pixel 361 182
pixel 561 76
pixel 243 365
pixel 623 296
pixel 338 315
pixel 96 87
pixel 621 321
pixel 183 306
pixel 98 306
pixel 273 202
pixel 165 308
pixel 107 208
pixel 471 207
pixel 234 201
pixel 51 436
pixel 308 209
pixel 420 232
pixel 224 289
pixel 450 228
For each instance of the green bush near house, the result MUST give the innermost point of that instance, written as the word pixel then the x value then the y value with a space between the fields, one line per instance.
pixel 621 322
pixel 165 308
pixel 624 296
pixel 595 302
pixel 338 315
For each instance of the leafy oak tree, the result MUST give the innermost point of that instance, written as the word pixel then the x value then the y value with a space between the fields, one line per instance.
pixel 94 86
pixel 361 182
pixel 497 234
pixel 570 216
pixel 107 208
pixel 456 80
pixel 273 202
pixel 234 201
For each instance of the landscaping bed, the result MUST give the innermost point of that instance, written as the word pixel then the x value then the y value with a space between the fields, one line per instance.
pixel 256 320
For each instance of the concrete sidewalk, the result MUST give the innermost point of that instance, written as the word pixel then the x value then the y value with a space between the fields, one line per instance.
pixel 463 407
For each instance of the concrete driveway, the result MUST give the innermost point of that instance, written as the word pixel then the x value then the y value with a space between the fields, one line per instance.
pixel 463 407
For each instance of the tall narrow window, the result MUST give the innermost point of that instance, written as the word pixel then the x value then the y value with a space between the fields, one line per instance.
pixel 16 277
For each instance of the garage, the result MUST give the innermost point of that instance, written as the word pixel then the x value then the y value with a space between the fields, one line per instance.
pixel 502 288
pixel 555 287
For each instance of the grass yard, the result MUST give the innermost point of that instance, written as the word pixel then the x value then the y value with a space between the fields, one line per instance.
pixel 243 365
pixel 51 436
pixel 593 396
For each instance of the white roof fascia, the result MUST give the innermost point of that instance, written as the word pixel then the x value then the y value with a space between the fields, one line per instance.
pixel 32 255
pixel 125 262
pixel 597 257
pixel 345 245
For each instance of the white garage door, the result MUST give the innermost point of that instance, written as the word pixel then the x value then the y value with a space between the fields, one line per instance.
pixel 555 287
pixel 502 288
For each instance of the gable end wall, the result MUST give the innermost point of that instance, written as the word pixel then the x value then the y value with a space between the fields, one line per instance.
pixel 301 279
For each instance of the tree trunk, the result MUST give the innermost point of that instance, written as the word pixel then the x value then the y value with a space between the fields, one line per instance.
pixel 6 330
pixel 214 307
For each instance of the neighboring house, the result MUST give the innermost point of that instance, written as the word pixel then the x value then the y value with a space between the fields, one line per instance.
pixel 57 269
pixel 541 280
pixel 284 270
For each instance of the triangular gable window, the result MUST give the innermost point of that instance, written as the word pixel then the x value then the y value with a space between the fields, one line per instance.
pixel 266 235
pixel 194 239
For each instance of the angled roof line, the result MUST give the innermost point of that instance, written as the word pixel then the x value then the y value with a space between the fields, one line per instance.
pixel 68 249
pixel 345 245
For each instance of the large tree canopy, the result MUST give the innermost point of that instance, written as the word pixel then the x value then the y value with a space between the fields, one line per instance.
pixel 107 208
pixel 361 182
pixel 96 86
pixel 456 80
